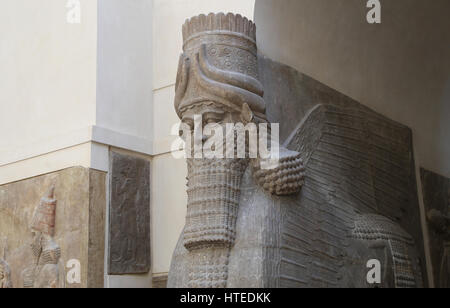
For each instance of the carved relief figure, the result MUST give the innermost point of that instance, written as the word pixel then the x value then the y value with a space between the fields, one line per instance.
pixel 436 192
pixel 320 209
pixel 44 271
pixel 440 222
pixel 5 275
pixel 129 244
pixel 397 248
pixel 5 271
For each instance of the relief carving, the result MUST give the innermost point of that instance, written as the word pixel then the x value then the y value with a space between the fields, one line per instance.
pixel 380 232
pixel 44 271
pixel 129 244
pixel 44 234
pixel 436 192
pixel 439 222
pixel 5 270
pixel 5 275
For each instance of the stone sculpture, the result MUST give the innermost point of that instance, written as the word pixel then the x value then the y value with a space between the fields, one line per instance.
pixel 129 217
pixel 249 226
pixel 5 275
pixel 436 192
pixel 218 79
pixel 44 271
pixel 5 271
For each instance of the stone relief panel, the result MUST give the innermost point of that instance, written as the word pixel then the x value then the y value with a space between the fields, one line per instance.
pixel 129 237
pixel 344 192
pixel 50 224
pixel 436 195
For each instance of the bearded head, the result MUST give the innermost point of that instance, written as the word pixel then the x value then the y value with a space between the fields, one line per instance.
pixel 44 249
pixel 217 85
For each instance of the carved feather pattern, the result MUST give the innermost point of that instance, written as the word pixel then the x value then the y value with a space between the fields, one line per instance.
pixel 356 162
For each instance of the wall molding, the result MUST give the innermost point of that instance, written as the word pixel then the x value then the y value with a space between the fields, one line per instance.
pixel 77 137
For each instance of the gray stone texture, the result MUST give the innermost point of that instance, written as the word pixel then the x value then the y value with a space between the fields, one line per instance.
pixel 218 79
pixel 129 218
pixel 79 222
pixel 387 145
pixel 436 196
pixel 358 163
pixel 351 209
pixel 359 196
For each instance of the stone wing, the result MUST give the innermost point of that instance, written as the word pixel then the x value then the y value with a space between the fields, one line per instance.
pixel 357 162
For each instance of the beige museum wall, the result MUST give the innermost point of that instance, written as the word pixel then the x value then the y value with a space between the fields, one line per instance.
pixel 400 68
pixel 48 69
pixel 67 88
pixel 124 68
pixel 168 211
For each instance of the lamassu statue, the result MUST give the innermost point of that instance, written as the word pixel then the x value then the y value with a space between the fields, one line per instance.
pixel 334 201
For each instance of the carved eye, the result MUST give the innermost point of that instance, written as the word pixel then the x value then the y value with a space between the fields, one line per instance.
pixel 212 118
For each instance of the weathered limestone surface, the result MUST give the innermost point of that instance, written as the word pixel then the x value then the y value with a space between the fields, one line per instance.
pixel 358 200
pixel 129 239
pixel 5 271
pixel 78 226
pixel 97 225
pixel 436 194
pixel 218 79
pixel 44 271
pixel 5 275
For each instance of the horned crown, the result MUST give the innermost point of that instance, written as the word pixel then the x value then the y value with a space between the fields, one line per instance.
pixel 219 23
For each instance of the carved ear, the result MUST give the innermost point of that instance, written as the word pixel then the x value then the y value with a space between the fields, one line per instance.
pixel 181 81
pixel 246 114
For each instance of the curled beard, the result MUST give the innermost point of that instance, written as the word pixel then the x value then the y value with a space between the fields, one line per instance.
pixel 213 201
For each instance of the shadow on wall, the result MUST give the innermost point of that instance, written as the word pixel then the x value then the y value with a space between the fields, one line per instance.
pixel 400 68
